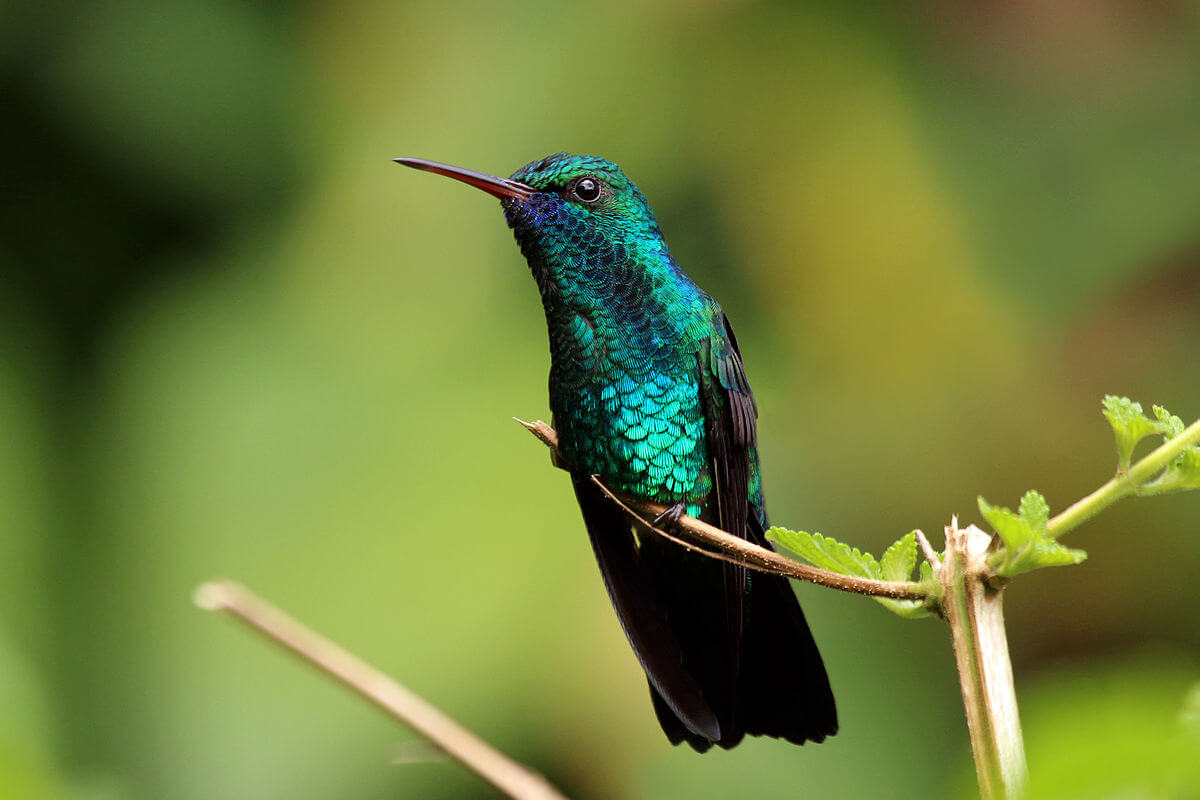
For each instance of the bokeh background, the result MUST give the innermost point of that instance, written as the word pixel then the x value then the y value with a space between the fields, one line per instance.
pixel 236 340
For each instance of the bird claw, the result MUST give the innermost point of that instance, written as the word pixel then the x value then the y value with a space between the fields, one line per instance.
pixel 669 519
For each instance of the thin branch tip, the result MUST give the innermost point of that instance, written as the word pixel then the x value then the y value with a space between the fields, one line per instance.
pixel 542 431
pixel 927 550
pixel 214 595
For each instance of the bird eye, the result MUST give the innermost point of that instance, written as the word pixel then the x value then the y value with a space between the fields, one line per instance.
pixel 586 189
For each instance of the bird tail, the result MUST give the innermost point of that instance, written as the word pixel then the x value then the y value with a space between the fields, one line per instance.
pixel 714 677
pixel 783 689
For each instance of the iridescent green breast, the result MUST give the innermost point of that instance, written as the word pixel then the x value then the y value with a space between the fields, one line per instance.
pixel 630 413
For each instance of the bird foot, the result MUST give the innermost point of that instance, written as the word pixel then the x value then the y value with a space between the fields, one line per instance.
pixel 669 519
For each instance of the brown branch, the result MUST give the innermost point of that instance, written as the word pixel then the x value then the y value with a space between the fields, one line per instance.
pixel 506 775
pixel 739 551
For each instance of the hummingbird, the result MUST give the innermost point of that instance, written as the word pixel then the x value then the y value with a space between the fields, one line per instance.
pixel 649 393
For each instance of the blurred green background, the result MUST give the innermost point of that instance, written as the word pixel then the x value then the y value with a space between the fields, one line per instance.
pixel 236 340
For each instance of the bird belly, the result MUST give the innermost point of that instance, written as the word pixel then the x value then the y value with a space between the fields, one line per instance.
pixel 643 433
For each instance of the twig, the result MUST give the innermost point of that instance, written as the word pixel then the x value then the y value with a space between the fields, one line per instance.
pixel 466 748
pixel 739 551
pixel 927 549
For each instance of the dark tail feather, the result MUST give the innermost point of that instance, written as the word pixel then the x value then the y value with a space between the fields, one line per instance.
pixel 713 679
pixel 645 619
pixel 675 730
pixel 784 690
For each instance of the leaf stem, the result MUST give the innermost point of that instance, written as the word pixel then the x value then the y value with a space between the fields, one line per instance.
pixel 1124 484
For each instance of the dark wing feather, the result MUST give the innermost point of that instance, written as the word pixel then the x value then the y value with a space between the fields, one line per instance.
pixel 729 410
pixel 781 687
pixel 644 616
pixel 732 428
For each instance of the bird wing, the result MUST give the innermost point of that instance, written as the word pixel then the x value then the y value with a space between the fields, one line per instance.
pixel 732 422
pixel 768 628
pixel 731 418
pixel 635 587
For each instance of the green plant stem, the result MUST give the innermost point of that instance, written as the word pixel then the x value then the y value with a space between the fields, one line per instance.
pixel 1124 484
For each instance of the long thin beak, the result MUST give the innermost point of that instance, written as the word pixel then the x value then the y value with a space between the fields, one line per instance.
pixel 498 187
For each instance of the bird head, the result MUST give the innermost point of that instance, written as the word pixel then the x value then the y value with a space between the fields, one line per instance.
pixel 567 206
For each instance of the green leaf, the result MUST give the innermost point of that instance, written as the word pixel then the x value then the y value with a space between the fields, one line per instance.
pixel 1130 425
pixel 1034 510
pixel 1045 553
pixel 1182 474
pixel 908 609
pixel 1172 425
pixel 821 551
pixel 1014 531
pixel 897 565
pixel 1028 545
pixel 899 559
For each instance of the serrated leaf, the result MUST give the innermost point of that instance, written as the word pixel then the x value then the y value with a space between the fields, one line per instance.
pixel 1012 529
pixel 1028 545
pixel 1120 409
pixel 897 565
pixel 1042 553
pixel 898 560
pixel 1034 510
pixel 1172 425
pixel 1130 425
pixel 909 609
pixel 821 551
pixel 1182 474
pixel 1188 466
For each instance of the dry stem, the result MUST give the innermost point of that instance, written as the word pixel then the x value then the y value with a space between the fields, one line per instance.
pixel 975 613
pixel 511 778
